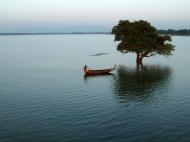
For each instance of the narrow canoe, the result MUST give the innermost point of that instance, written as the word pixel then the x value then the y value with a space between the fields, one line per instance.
pixel 96 72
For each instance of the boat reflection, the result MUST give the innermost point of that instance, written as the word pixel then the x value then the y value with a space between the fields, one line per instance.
pixel 141 82
pixel 87 76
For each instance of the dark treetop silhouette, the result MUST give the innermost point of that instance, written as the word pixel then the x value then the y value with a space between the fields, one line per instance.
pixel 142 38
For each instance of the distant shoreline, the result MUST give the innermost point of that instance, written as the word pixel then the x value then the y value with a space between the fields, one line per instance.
pixel 182 32
pixel 55 33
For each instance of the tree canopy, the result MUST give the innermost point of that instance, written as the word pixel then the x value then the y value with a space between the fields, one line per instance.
pixel 142 38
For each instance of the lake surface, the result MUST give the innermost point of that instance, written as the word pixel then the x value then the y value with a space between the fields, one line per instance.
pixel 45 97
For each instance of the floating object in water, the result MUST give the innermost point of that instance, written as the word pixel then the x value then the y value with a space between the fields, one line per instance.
pixel 96 72
pixel 99 54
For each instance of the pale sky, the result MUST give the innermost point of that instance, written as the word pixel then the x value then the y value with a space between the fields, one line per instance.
pixel 89 15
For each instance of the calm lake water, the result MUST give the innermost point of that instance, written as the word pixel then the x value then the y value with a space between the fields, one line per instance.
pixel 45 97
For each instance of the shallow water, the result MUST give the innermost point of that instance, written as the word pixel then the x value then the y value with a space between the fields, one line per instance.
pixel 44 95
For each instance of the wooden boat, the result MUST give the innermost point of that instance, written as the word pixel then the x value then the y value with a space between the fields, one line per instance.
pixel 96 72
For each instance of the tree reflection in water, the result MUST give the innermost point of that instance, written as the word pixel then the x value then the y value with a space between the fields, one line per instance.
pixel 141 82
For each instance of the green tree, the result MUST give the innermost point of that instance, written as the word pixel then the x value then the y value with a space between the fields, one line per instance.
pixel 141 38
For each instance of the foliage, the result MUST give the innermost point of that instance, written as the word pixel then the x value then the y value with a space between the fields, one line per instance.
pixel 142 38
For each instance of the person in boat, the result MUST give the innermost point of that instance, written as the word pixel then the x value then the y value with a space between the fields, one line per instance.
pixel 85 67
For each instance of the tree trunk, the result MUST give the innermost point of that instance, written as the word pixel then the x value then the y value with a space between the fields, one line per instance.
pixel 139 59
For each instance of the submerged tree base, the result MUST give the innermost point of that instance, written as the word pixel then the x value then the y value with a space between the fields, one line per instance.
pixel 139 61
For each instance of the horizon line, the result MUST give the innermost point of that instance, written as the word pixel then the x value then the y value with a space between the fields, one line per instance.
pixel 89 32
pixel 42 33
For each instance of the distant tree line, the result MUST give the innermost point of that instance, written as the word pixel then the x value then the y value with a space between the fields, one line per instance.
pixel 182 32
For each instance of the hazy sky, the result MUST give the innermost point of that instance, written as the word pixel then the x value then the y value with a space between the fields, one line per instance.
pixel 89 15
